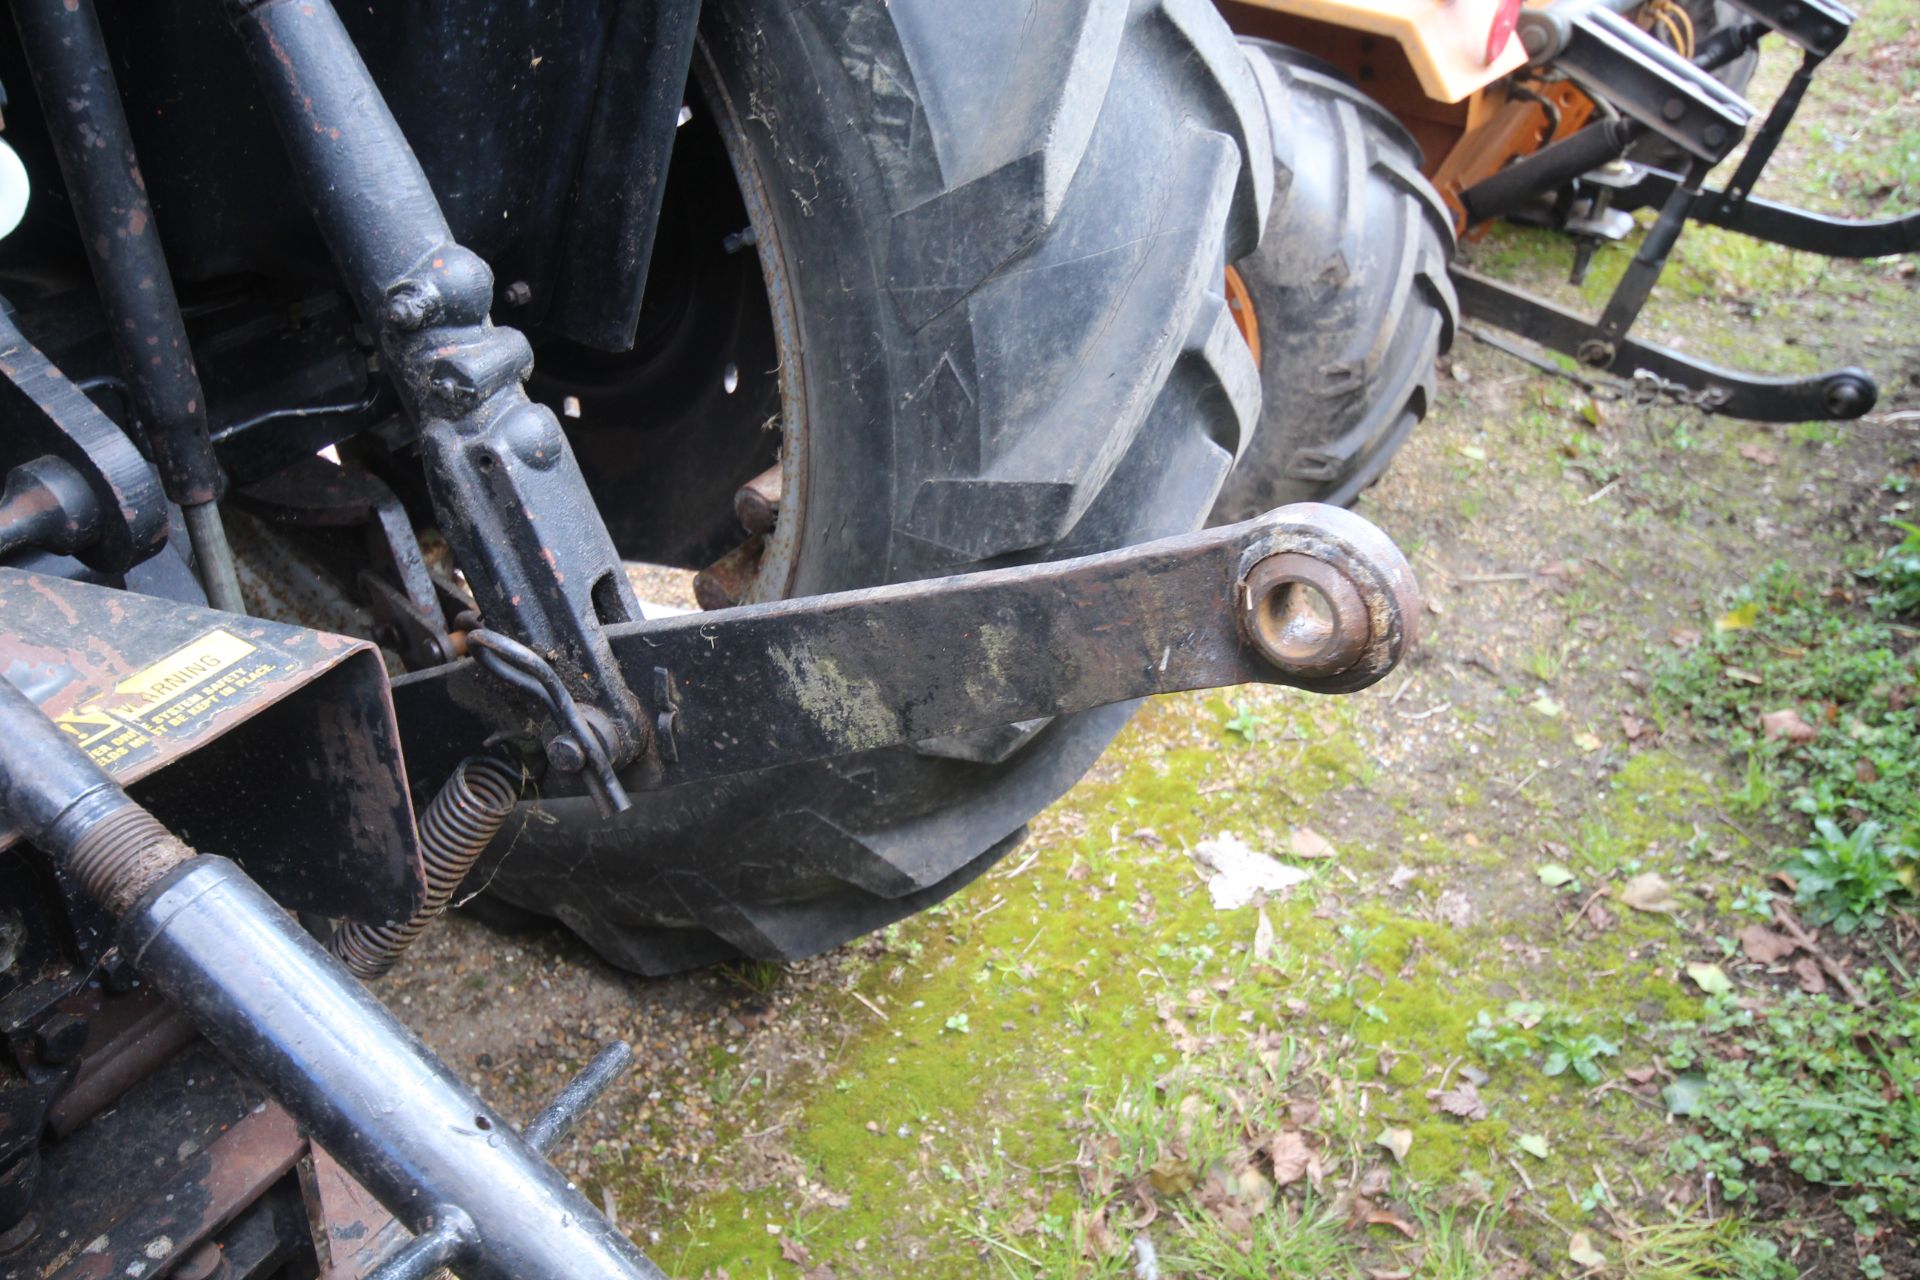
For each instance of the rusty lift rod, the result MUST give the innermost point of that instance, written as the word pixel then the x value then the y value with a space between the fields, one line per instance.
pixel 67 56
pixel 288 1014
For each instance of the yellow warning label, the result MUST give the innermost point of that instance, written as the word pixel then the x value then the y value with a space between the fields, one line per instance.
pixel 166 696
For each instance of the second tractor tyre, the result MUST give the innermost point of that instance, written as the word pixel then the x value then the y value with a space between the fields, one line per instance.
pixel 1349 291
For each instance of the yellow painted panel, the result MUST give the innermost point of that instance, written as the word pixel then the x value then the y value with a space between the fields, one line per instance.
pixel 1445 40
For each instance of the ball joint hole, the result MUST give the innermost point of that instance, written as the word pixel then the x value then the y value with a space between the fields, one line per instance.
pixel 1297 618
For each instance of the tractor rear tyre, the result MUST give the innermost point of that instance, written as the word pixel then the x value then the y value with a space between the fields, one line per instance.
pixel 1349 294
pixel 992 241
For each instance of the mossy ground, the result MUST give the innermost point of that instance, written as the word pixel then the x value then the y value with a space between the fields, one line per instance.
pixel 1079 1054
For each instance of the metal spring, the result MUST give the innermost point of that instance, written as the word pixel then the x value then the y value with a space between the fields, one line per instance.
pixel 455 829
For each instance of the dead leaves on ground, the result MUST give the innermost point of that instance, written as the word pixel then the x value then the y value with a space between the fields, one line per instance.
pixel 1462 1101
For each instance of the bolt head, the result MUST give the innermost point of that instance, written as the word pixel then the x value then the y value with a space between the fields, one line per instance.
pixel 565 754
pixel 519 293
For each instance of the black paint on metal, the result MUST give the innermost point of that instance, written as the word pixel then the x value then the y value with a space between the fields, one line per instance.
pixel 47 415
pixel 67 56
pixel 1837 394
pixel 247 735
pixel 493 458
pixel 407 1128
pixel 770 684
pixel 616 198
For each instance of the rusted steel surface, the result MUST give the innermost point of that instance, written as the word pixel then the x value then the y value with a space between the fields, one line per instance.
pixel 274 740
pixel 133 1034
pixel 204 1195
pixel 771 684
pixel 351 1232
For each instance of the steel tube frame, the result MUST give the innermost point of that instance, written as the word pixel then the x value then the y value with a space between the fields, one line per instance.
pixel 288 1013
pixel 87 124
pixel 439 1159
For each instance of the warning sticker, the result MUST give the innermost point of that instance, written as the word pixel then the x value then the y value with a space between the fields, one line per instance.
pixel 168 696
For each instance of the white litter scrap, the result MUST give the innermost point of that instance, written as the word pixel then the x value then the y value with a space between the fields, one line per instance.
pixel 1241 874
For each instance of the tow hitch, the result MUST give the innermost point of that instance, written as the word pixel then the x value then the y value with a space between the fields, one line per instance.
pixel 1656 91
pixel 1309 595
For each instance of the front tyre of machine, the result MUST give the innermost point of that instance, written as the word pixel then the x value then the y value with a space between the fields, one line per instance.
pixel 993 241
pixel 1349 294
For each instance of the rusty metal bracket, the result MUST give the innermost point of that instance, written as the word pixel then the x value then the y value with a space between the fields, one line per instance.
pixel 1309 595
pixel 269 738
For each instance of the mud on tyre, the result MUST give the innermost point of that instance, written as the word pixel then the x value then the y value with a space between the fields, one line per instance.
pixel 1349 291
pixel 991 244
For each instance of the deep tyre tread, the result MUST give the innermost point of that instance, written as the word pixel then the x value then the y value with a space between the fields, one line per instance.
pixel 1350 290
pixel 1005 246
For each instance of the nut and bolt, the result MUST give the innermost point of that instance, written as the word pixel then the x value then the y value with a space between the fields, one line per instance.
pixel 411 304
pixel 519 293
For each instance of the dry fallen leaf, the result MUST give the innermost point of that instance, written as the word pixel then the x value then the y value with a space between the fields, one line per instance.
pixel 1632 726
pixel 1462 1100
pixel 1171 1176
pixel 1710 978
pixel 1807 971
pixel 1597 915
pixel 1401 878
pixel 1365 1213
pixel 1743 676
pixel 1290 1156
pixel 1580 1249
pixel 1586 741
pixel 1764 946
pixel 1398 1141
pixel 1099 1237
pixel 1263 937
pixel 1684 637
pixel 1759 453
pixel 1306 843
pixel 1241 874
pixel 1786 723
pixel 1649 892
pixel 793 1251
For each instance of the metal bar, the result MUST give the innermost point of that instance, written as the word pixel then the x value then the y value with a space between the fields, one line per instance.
pixel 1616 61
pixel 1761 149
pixel 558 1117
pixel 1548 169
pixel 288 1014
pixel 425 1254
pixel 494 459
pixel 771 684
pixel 1636 283
pixel 88 127
pixel 403 1124
pixel 1783 224
pixel 1838 394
